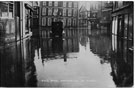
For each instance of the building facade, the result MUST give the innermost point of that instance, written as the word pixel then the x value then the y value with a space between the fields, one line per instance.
pixel 54 11
pixel 15 20
pixel 122 40
pixel 35 27
pixel 83 17
pixel 105 16
pixel 97 16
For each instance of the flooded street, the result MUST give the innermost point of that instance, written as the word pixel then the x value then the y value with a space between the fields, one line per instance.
pixel 67 44
pixel 79 61
pixel 76 66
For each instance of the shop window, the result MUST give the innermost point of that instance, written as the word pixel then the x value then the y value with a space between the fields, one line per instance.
pixel 4 9
pixel 120 25
pixel 116 26
pixel 125 25
pixel 113 25
pixel 12 26
pixel 11 7
pixel 130 31
pixel 125 36
pixel 27 20
pixel 43 11
pixel 114 43
pixel 7 9
pixel 7 28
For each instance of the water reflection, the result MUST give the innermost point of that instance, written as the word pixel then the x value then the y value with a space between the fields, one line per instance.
pixel 12 73
pixel 101 45
pixel 58 48
pixel 116 52
pixel 122 63
pixel 17 67
pixel 96 60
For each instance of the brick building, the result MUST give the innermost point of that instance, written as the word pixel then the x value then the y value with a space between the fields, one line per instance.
pixel 53 11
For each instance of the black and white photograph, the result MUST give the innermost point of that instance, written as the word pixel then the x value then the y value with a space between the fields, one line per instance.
pixel 67 44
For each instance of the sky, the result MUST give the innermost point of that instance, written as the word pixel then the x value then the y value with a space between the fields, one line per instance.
pixel 86 4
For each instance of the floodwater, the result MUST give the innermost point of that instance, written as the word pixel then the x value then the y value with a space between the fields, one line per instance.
pixel 76 61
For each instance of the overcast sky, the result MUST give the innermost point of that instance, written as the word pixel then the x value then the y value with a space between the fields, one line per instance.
pixel 86 4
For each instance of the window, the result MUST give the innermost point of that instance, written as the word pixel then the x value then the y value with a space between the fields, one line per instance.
pixel 60 12
pixel 69 12
pixel 64 4
pixel 120 25
pixel 55 12
pixel 69 4
pixel 55 3
pixel 50 3
pixel 74 12
pixel 64 22
pixel 64 12
pixel 88 14
pixel 43 21
pixel 116 5
pixel 125 25
pixel 120 3
pixel 75 4
pixel 43 11
pixel 6 9
pixel 130 33
pixel 54 19
pixel 27 20
pixel 74 22
pixel 115 25
pixel 49 21
pixel 7 28
pixel 69 22
pixel 10 10
pixel 49 11
pixel 44 3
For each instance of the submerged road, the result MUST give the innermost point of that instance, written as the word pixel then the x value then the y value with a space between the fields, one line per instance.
pixel 84 61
